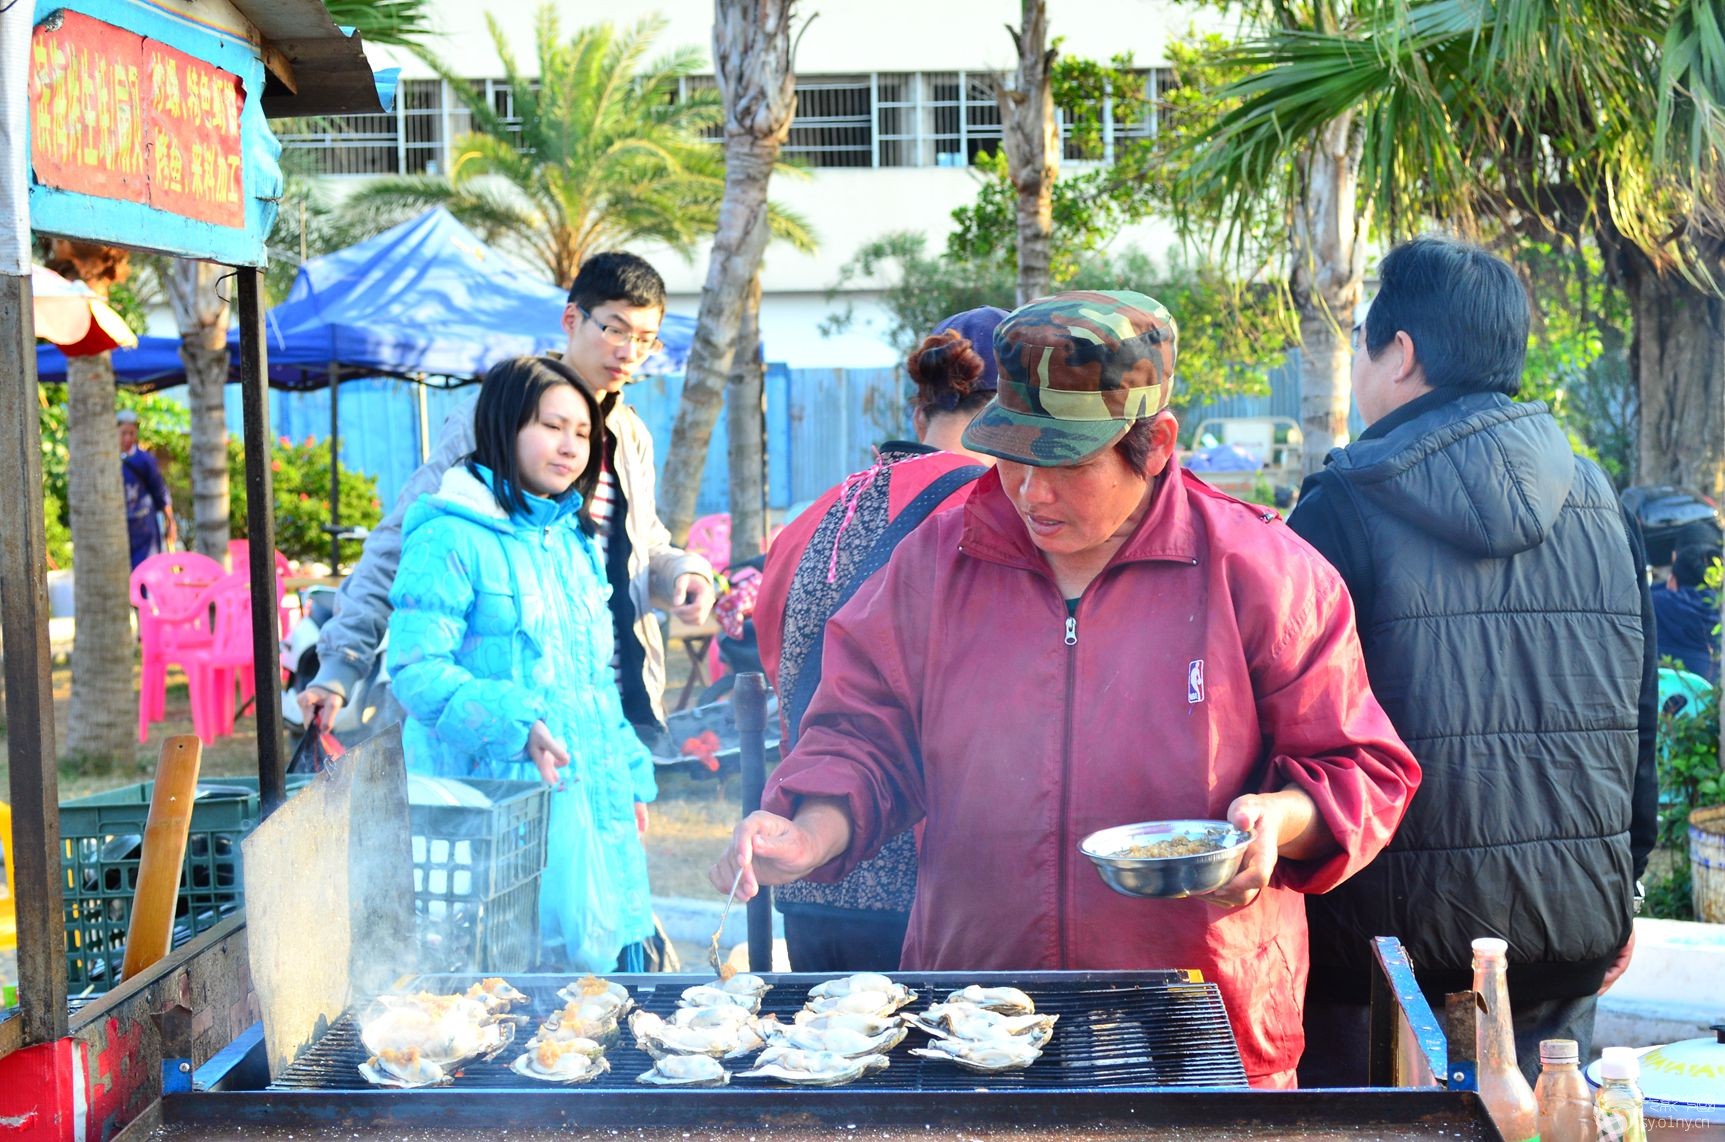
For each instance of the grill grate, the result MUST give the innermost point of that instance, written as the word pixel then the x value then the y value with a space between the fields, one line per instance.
pixel 1140 1029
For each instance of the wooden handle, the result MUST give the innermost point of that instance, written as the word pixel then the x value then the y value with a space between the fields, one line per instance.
pixel 152 927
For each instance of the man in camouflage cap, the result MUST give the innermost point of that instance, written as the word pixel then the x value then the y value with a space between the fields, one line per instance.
pixel 1077 370
pixel 1093 638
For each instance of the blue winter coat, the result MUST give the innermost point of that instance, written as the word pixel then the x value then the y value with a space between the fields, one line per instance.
pixel 501 621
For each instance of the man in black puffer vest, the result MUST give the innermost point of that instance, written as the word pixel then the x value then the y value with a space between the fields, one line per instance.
pixel 1503 606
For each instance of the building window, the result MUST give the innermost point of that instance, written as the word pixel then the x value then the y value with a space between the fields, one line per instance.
pixel 913 119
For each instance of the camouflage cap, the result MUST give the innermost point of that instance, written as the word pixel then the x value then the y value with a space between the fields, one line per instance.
pixel 1076 371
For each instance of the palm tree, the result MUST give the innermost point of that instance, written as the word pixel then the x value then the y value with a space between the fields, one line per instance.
pixel 753 54
pixel 1600 120
pixel 600 152
pixel 1032 144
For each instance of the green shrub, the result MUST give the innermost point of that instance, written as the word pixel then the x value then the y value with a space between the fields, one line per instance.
pixel 1689 779
pixel 300 476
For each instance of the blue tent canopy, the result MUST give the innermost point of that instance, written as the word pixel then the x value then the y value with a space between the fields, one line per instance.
pixel 425 299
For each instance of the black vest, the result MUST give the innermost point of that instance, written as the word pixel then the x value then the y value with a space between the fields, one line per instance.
pixel 1505 641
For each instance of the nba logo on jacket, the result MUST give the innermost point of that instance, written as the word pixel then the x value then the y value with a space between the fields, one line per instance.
pixel 1195 680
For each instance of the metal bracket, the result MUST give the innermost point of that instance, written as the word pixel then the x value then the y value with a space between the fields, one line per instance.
pixel 176 1076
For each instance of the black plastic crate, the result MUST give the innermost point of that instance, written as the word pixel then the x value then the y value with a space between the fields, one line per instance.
pixel 476 874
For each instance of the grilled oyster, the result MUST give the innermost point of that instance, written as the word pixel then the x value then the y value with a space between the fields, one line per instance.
pixel 449 1038
pixel 555 1061
pixel 1004 1000
pixel 990 1056
pixel 578 1020
pixel 659 1038
pixel 834 1039
pixel 597 997
pixel 496 994
pixel 978 1024
pixel 877 1004
pixel 726 1016
pixel 744 984
pixel 407 1069
pixel 686 1070
pixel 861 1024
pixel 812 1068
pixel 711 995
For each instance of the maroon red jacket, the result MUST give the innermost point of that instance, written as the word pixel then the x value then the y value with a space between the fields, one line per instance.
pixel 1213 656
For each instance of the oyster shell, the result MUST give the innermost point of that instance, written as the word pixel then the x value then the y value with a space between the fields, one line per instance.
pixel 877 1004
pixel 861 1024
pixel 726 1016
pixel 659 1038
pixel 710 995
pixel 496 993
pixel 989 1057
pixel 578 1020
pixel 978 1024
pixel 845 985
pixel 597 997
pixel 407 1069
pixel 1005 1000
pixel 559 1062
pixel 745 983
pixel 686 1070
pixel 812 1068
pixel 835 1039
pixel 445 1039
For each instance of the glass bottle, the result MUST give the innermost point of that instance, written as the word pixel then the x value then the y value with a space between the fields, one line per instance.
pixel 1502 1086
pixel 1617 1103
pixel 1565 1104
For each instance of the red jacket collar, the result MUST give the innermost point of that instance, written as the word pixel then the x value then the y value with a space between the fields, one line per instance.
pixel 993 530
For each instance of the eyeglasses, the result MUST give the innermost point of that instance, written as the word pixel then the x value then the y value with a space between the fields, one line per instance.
pixel 1354 336
pixel 618 336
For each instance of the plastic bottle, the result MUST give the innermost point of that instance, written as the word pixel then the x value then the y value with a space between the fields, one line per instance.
pixel 1617 1103
pixel 1565 1104
pixel 1502 1086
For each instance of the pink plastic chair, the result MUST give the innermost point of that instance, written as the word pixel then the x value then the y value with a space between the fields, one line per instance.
pixel 228 659
pixel 711 536
pixel 172 628
pixel 239 562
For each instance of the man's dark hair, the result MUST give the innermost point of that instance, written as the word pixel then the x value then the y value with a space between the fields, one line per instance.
pixel 1464 309
pixel 1135 447
pixel 616 276
pixel 508 399
pixel 1689 565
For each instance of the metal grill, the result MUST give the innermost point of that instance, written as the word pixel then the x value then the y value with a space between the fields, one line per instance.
pixel 1140 1029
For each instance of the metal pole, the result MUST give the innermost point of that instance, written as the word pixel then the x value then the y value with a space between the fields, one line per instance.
pixel 749 705
pixel 334 468
pixel 35 850
pixel 261 531
pixel 423 407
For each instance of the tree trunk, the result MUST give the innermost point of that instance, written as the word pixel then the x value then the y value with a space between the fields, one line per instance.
pixel 1677 354
pixel 747 446
pixel 1329 265
pixel 202 315
pixel 752 54
pixel 103 720
pixel 1031 139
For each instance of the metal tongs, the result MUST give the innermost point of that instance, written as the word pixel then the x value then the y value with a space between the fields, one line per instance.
pixel 713 952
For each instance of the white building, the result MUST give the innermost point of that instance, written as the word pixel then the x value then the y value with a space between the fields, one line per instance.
pixel 894 98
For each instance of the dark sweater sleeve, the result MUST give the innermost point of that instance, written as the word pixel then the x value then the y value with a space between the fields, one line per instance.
pixel 1326 519
pixel 1644 807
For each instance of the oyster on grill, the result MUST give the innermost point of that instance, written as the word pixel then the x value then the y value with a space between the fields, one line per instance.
pixel 445 1034
pixel 713 995
pixel 978 1024
pixel 578 1021
pixel 861 1024
pixel 1004 1000
pixel 566 1040
pixel 496 994
pixel 407 1069
pixel 835 1039
pixel 744 983
pixel 812 1068
pixel 597 997
pixel 728 1016
pixel 659 1038
pixel 555 1061
pixel 989 1056
pixel 686 1070
pixel 876 1004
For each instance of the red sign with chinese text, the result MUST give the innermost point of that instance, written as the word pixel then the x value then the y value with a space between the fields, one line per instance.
pixel 115 115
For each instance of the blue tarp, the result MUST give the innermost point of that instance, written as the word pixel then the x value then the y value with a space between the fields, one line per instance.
pixel 426 298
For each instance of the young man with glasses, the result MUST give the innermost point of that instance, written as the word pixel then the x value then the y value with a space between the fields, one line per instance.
pixel 612 321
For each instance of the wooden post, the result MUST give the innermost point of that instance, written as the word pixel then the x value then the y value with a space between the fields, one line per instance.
pixel 150 933
pixel 261 533
pixel 35 782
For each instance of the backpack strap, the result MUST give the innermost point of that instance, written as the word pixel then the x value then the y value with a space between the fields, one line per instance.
pixel 900 526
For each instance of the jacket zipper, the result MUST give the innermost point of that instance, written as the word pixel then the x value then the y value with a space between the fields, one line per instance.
pixel 1066 780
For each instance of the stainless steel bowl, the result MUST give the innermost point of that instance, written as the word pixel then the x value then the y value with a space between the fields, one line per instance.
pixel 1166 878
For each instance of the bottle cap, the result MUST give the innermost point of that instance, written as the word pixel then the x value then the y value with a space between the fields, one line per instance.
pixel 1490 946
pixel 1559 1051
pixel 1619 1063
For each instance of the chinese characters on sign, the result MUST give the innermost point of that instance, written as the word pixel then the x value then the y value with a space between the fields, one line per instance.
pixel 118 116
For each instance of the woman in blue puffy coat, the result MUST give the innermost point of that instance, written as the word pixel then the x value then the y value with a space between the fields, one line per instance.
pixel 500 650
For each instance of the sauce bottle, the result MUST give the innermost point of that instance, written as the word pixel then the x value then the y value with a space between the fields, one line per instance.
pixel 1565 1105
pixel 1502 1086
pixel 1617 1103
